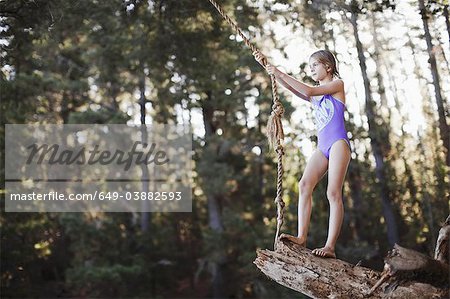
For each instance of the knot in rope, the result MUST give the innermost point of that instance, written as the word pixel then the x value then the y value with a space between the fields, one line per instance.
pixel 280 149
pixel 280 201
pixel 277 109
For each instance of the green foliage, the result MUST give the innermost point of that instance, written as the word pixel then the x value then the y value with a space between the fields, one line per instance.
pixel 105 256
pixel 101 116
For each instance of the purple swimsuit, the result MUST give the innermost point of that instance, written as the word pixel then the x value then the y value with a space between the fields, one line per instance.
pixel 329 114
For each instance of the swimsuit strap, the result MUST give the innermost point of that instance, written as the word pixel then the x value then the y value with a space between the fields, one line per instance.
pixel 335 99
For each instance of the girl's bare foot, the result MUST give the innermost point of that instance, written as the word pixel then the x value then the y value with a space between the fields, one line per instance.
pixel 297 240
pixel 325 251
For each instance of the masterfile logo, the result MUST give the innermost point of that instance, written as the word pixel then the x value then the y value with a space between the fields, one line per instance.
pixel 51 154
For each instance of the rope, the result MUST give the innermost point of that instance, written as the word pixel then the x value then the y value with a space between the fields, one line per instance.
pixel 275 132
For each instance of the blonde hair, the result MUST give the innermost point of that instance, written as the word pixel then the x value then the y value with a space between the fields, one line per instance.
pixel 327 58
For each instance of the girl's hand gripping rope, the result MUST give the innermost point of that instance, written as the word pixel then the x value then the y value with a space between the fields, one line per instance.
pixel 271 70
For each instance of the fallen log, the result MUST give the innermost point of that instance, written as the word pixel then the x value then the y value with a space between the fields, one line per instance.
pixel 441 252
pixel 407 273
pixel 297 268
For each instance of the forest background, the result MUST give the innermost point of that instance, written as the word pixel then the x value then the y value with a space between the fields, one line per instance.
pixel 177 62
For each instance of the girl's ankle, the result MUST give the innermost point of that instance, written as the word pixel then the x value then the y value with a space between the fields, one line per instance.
pixel 301 238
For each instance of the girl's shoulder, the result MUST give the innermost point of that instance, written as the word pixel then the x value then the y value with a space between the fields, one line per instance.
pixel 339 95
pixel 339 83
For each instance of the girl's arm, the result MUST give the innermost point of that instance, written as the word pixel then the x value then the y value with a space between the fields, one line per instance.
pixel 298 88
pixel 270 69
pixel 306 90
pixel 291 89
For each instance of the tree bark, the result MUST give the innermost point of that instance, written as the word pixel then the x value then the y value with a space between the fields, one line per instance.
pixel 443 127
pixel 407 273
pixel 297 268
pixel 409 264
pixel 376 141
pixel 441 252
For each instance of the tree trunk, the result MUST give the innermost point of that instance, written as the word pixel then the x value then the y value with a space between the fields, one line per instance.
pixel 214 212
pixel 407 273
pixel 443 127
pixel 425 203
pixel 145 216
pixel 375 141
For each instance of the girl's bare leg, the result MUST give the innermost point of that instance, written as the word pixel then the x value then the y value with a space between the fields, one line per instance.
pixel 314 171
pixel 337 168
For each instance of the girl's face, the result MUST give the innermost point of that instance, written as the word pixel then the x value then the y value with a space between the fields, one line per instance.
pixel 318 69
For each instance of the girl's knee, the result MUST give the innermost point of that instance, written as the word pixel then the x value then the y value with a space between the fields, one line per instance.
pixel 334 195
pixel 305 186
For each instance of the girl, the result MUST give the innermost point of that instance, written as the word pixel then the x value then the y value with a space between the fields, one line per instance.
pixel 333 150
